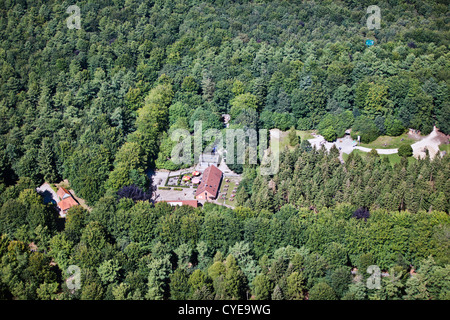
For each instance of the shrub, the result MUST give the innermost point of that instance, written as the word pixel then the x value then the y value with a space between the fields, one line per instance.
pixel 405 150
pixel 133 192
pixel 329 134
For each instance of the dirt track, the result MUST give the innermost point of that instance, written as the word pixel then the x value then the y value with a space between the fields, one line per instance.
pixel 431 142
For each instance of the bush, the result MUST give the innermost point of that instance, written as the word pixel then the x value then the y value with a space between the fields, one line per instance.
pixel 293 138
pixel 329 134
pixel 394 127
pixel 405 151
pixel 366 129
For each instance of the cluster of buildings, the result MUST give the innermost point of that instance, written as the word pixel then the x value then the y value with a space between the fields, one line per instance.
pixel 208 189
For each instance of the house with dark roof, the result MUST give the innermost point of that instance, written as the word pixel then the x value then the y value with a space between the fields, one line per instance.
pixel 208 188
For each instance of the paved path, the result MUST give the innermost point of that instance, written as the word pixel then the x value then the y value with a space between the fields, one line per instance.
pixel 344 145
pixel 226 171
pixel 380 151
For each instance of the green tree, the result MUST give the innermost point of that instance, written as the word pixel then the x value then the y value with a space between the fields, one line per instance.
pixel 340 280
pixel 48 291
pixel 235 281
pixel 293 138
pixel 109 271
pixel 152 119
pixel 416 289
pixel 242 102
pixel 200 283
pixel 160 269
pixel 295 286
pixel 60 249
pixel 262 287
pixel 322 291
pixel 405 150
pixel 46 161
pixel 129 158
pixel 75 222
pixel 179 286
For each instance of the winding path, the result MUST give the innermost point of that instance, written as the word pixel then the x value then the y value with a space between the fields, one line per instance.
pixel 347 144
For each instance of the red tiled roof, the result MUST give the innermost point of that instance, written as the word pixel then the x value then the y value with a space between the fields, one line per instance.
pixel 210 181
pixel 192 203
pixel 67 203
pixel 62 192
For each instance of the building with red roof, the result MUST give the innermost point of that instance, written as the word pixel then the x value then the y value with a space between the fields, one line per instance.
pixel 67 200
pixel 208 188
pixel 63 193
pixel 67 203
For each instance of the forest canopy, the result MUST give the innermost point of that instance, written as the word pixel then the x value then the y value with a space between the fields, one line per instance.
pixel 71 98
pixel 97 105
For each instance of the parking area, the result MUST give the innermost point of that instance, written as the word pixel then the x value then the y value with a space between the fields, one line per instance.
pixel 170 186
pixel 185 194
pixel 48 193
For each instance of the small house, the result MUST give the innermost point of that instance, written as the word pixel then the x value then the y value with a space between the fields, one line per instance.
pixel 67 201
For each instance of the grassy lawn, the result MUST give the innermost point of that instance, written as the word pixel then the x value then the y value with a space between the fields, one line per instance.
pixel 393 158
pixel 388 142
pixel 445 147
pixel 304 135
pixel 231 186
pixel 284 142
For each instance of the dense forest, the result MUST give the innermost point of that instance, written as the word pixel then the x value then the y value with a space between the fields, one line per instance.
pixel 129 250
pixel 74 102
pixel 97 106
pixel 317 179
